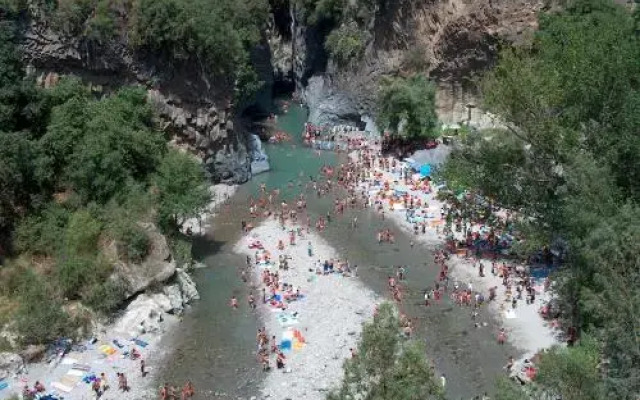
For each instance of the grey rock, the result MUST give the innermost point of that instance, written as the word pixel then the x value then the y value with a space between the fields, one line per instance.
pixel 157 267
pixel 10 364
pixel 174 295
pixel 187 286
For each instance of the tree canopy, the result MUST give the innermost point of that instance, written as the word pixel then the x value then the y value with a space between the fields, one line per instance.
pixel 77 172
pixel 407 106
pixel 567 161
pixel 387 365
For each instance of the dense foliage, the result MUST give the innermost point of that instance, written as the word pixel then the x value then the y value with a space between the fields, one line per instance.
pixel 214 35
pixel 349 22
pixel 568 160
pixel 347 43
pixel 387 364
pixel 78 173
pixel 407 106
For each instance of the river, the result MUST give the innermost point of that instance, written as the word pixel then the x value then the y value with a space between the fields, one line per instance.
pixel 215 348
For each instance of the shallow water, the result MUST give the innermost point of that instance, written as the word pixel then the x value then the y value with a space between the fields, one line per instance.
pixel 215 347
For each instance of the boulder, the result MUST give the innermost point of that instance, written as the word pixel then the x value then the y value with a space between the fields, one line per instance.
pixel 187 287
pixel 33 353
pixel 10 364
pixel 175 297
pixel 157 268
pixel 141 316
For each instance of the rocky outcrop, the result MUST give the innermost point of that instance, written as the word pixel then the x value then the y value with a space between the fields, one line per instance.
pixel 259 159
pixel 145 313
pixel 209 133
pixel 194 110
pixel 452 40
pixel 156 268
pixel 10 364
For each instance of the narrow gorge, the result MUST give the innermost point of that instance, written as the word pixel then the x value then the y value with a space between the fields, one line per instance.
pixel 452 41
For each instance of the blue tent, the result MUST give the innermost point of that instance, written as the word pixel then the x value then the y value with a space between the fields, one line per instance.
pixel 425 170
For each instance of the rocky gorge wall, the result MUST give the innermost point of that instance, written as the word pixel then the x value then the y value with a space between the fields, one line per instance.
pixel 197 114
pixel 453 41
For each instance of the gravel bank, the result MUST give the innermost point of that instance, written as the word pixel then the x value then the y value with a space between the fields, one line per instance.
pixel 330 316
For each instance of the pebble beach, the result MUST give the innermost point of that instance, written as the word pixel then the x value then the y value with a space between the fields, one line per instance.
pixel 329 316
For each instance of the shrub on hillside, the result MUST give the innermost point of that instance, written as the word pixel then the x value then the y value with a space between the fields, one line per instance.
pixel 40 317
pixel 43 233
pixel 105 297
pixel 347 43
pixel 408 106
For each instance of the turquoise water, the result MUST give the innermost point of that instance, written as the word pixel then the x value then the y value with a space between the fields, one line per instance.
pixel 290 161
pixel 215 347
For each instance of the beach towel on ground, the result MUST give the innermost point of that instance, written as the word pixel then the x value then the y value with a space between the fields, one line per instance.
pixel 76 372
pixel 70 380
pixel 286 319
pixel 81 367
pixel 106 349
pixel 62 387
pixel 68 361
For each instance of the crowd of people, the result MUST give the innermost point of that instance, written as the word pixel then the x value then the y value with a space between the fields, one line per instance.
pixel 368 179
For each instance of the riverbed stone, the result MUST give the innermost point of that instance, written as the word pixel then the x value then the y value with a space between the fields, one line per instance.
pixel 10 364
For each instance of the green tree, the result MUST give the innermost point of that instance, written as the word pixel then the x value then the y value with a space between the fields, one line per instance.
pixel 119 146
pixel 40 317
pixel 387 366
pixel 181 187
pixel 16 92
pixel 572 372
pixel 567 162
pixel 407 106
pixel 347 43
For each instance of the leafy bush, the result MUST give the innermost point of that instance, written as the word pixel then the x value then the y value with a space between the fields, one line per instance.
pixel 104 297
pixel 181 188
pixel 408 106
pixel 43 233
pixel 70 15
pixel 119 145
pixel 135 242
pixel 347 43
pixel 72 274
pixel 181 249
pixel 81 236
pixel 387 366
pixel 40 317
pixel 102 25
pixel 215 34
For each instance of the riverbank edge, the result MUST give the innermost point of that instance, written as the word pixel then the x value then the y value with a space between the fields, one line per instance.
pixel 528 332
pixel 159 311
pixel 316 368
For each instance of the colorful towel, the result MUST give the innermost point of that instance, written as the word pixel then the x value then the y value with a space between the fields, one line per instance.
pixel 106 349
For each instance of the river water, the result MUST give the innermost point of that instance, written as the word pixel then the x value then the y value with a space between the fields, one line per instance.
pixel 215 348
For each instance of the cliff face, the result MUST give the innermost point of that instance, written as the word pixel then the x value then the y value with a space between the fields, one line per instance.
pixel 194 108
pixel 453 41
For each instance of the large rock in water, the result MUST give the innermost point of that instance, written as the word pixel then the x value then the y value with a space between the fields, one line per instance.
pixel 10 364
pixel 157 267
pixel 142 316
pixel 187 287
